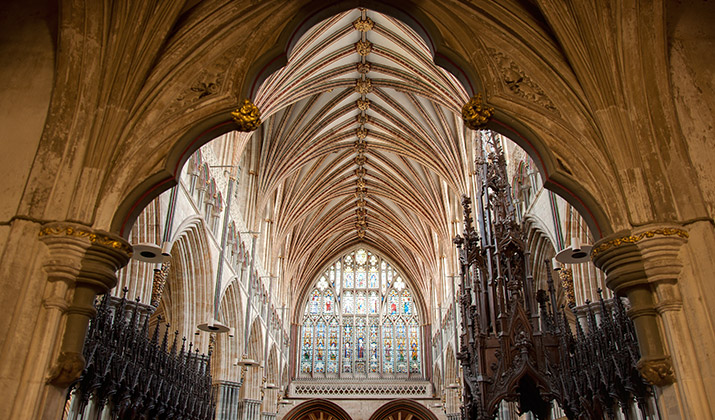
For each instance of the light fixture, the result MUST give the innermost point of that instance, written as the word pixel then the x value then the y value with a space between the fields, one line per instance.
pixel 270 385
pixel 453 386
pixel 231 332
pixel 245 361
pixel 213 326
pixel 556 264
pixel 150 253
pixel 577 253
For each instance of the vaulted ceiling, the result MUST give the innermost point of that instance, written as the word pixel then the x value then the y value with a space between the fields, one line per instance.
pixel 362 142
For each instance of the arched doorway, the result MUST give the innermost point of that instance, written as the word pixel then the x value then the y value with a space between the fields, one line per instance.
pixel 403 410
pixel 317 409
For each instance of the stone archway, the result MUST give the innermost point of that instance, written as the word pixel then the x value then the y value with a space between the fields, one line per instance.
pixel 403 410
pixel 317 409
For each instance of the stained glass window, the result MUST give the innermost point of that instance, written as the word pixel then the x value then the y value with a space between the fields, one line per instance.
pixel 360 320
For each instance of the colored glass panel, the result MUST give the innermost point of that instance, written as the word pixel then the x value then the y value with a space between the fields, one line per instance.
pixel 333 342
pixel 374 358
pixel 360 280
pixel 361 304
pixel 306 358
pixel 320 347
pixel 347 348
pixel 414 348
pixel 401 347
pixel 315 302
pixel 328 302
pixel 373 303
pixel 387 348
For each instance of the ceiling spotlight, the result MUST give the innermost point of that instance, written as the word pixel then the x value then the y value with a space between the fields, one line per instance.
pixel 150 253
pixel 577 253
pixel 213 326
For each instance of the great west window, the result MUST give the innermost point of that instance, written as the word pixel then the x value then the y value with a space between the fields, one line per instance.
pixel 360 320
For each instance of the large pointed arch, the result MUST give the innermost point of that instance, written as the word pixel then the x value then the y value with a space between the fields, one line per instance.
pixel 317 409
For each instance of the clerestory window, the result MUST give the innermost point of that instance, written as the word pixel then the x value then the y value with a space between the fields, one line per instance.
pixel 360 320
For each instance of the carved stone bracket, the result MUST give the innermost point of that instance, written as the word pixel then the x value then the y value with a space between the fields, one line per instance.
pixel 657 372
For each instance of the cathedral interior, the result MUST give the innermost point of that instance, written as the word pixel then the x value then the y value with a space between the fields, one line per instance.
pixel 357 210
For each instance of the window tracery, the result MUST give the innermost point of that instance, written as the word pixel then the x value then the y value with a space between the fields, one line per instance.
pixel 360 320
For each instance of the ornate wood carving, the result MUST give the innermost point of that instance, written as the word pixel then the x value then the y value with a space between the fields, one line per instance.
pixel 137 376
pixel 515 343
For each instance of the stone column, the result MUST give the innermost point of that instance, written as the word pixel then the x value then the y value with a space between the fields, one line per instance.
pixel 249 409
pixel 268 416
pixel 67 265
pixel 644 266
pixel 249 404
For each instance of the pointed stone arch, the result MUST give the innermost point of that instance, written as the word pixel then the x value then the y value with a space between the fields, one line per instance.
pixel 229 348
pixel 317 409
pixel 578 180
pixel 403 409
pixel 187 298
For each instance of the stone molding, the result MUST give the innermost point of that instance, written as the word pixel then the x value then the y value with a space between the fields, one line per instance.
pixel 363 389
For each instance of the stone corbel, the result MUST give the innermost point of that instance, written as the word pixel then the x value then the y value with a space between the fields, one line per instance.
pixel 82 263
pixel 643 265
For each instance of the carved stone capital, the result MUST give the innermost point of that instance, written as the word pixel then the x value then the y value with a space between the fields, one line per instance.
pixel 82 263
pixel 648 254
pixel 657 372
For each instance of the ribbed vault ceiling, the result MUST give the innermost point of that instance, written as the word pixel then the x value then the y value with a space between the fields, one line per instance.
pixel 362 142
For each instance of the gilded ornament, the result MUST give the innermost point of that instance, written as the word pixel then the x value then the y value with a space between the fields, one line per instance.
pixel 361 133
pixel 631 239
pixel 78 232
pixel 363 104
pixel 360 193
pixel 363 47
pixel 566 277
pixel 247 117
pixel 360 202
pixel 363 24
pixel 476 114
pixel 363 86
pixel 360 172
pixel 364 68
pixel 362 119
pixel 360 159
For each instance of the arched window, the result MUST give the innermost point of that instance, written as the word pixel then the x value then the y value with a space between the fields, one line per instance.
pixel 360 320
